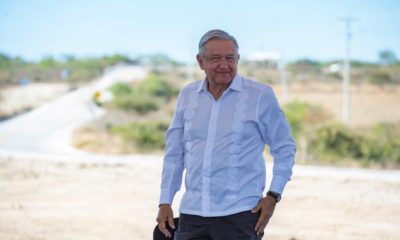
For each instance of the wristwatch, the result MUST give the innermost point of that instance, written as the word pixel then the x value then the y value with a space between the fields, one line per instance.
pixel 274 195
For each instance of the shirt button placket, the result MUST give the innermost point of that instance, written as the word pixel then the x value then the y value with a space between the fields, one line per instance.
pixel 211 133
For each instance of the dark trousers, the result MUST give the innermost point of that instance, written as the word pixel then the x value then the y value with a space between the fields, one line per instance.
pixel 238 226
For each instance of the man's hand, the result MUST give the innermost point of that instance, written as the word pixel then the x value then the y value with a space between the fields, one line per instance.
pixel 165 214
pixel 267 207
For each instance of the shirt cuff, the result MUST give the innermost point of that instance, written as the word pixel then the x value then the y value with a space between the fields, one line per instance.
pixel 165 198
pixel 278 184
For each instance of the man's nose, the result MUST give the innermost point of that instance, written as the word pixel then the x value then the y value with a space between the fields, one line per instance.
pixel 224 63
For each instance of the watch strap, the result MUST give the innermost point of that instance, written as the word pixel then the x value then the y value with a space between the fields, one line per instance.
pixel 275 195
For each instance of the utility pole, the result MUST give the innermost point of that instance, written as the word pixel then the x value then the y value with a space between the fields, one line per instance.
pixel 346 72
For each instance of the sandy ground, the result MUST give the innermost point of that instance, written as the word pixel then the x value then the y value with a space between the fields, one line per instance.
pixel 46 199
pixel 15 99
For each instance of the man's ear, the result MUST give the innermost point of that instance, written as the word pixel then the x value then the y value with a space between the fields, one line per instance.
pixel 200 61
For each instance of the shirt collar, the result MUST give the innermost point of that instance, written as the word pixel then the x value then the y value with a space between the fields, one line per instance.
pixel 236 84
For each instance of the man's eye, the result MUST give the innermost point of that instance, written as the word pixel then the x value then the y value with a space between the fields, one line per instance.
pixel 230 58
pixel 215 59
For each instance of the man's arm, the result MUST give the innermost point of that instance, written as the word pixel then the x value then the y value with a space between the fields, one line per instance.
pixel 171 179
pixel 276 133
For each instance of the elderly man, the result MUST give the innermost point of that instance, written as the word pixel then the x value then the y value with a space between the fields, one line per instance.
pixel 218 135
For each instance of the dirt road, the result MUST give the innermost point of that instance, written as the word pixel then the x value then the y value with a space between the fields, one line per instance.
pixel 46 199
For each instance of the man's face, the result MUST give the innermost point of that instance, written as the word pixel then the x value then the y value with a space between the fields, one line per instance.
pixel 219 61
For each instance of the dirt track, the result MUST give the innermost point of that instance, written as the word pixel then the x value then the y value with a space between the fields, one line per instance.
pixel 41 199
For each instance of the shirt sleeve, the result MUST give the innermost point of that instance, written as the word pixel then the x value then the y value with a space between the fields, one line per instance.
pixel 276 133
pixel 171 179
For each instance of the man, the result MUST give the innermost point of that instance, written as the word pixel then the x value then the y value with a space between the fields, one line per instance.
pixel 218 135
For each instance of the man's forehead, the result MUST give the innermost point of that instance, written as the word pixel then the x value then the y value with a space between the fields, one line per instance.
pixel 220 46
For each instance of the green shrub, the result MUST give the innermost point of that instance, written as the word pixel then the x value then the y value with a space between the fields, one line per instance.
pixel 144 135
pixel 119 89
pixel 155 86
pixel 336 143
pixel 303 116
pixel 136 103
pixel 384 144
pixel 144 97
pixel 335 140
pixel 381 77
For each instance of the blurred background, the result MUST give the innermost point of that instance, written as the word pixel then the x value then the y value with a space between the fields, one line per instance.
pixel 87 90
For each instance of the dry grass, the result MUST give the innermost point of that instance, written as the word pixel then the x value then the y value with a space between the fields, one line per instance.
pixel 369 104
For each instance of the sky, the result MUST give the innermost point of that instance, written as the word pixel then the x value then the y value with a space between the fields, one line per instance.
pixel 297 29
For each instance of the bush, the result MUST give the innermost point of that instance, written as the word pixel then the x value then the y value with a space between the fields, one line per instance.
pixel 119 89
pixel 155 86
pixel 303 116
pixel 136 103
pixel 330 142
pixel 379 145
pixel 335 141
pixel 384 144
pixel 381 77
pixel 145 135
pixel 144 97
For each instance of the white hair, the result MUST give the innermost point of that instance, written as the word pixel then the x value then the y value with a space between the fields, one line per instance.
pixel 215 34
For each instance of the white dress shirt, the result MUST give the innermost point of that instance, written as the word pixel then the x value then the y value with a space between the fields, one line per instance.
pixel 220 144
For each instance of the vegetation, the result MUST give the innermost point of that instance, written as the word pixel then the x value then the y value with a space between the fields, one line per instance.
pixel 69 69
pixel 333 143
pixel 155 86
pixel 304 116
pixel 388 57
pixel 376 146
pixel 325 141
pixel 383 74
pixel 144 97
pixel 139 104
pixel 74 71
pixel 147 136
